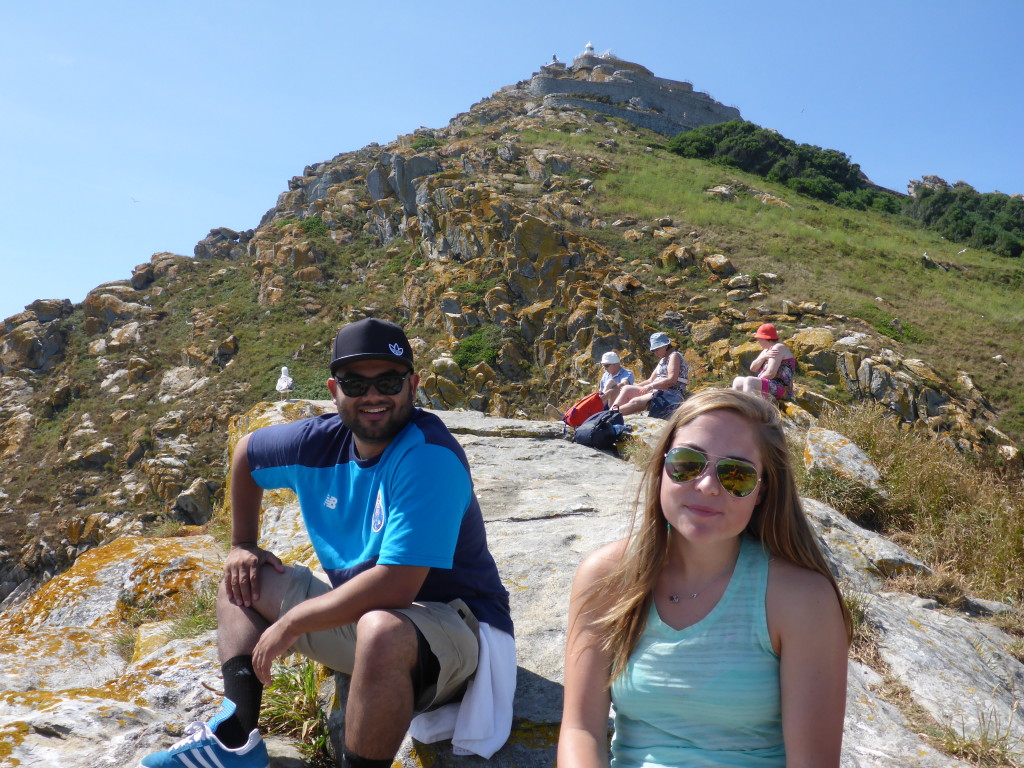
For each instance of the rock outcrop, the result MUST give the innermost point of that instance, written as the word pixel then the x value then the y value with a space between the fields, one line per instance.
pixel 608 85
pixel 69 698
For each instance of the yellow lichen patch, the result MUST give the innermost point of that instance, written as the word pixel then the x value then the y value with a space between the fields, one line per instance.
pixel 107 583
pixel 534 735
pixel 424 756
pixel 47 642
pixel 11 736
pixel 514 585
pixel 151 636
pixel 301 555
pixel 279 497
pixel 535 239
pixel 48 700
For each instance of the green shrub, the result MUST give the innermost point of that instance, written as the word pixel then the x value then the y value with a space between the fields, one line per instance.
pixel 314 226
pixel 425 142
pixel 811 170
pixel 482 345
pixel 993 221
pixel 477 289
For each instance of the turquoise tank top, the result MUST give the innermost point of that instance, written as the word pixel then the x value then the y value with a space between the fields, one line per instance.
pixel 708 694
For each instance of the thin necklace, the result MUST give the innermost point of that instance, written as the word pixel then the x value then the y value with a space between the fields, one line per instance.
pixel 674 597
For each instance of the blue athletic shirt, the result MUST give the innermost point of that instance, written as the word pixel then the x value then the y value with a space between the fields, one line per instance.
pixel 412 505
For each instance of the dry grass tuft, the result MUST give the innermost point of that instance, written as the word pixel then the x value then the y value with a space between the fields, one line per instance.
pixel 864 647
pixel 946 588
pixel 992 746
pixel 956 512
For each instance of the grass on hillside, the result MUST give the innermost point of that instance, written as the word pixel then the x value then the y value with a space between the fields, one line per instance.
pixel 956 320
pixel 957 514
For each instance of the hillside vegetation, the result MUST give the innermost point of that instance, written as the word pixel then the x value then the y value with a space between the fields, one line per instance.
pixel 863 264
pixel 992 221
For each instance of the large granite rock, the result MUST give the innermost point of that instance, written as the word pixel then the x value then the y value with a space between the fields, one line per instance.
pixel 68 699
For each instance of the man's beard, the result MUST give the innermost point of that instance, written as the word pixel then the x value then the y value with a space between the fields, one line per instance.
pixel 378 432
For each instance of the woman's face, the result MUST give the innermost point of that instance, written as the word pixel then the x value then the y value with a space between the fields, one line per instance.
pixel 661 352
pixel 701 510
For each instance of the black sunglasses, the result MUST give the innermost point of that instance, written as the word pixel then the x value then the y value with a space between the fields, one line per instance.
pixel 738 478
pixel 387 384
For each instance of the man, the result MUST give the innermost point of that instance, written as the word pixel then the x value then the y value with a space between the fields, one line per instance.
pixel 388 501
pixel 614 376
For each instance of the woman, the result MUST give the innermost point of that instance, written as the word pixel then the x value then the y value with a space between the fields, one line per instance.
pixel 663 391
pixel 774 367
pixel 715 628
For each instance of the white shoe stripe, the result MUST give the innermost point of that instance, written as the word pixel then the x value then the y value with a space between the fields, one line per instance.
pixel 203 757
pixel 214 761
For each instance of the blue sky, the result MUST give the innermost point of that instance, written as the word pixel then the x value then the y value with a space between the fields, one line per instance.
pixel 128 128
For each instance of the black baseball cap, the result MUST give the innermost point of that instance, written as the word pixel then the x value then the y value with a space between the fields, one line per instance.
pixel 370 339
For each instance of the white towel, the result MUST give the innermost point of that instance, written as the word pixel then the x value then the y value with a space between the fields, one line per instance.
pixel 481 723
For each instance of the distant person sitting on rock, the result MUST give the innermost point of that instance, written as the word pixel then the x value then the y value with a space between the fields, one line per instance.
pixel 663 391
pixel 715 628
pixel 775 367
pixel 413 600
pixel 285 385
pixel 613 378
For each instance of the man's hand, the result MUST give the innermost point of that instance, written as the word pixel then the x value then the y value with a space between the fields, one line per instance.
pixel 273 643
pixel 242 572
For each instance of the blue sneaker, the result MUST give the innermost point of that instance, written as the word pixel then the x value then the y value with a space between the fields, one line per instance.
pixel 200 748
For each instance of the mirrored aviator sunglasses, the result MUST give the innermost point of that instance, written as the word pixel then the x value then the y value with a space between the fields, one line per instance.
pixel 738 478
pixel 388 384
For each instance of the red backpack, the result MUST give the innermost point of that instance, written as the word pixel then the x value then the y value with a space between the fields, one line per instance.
pixel 583 409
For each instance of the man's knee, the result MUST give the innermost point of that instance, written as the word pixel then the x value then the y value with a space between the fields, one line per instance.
pixel 386 638
pixel 272 586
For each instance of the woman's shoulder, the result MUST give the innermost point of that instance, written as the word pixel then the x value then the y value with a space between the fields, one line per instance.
pixel 784 351
pixel 791 576
pixel 602 561
pixel 797 596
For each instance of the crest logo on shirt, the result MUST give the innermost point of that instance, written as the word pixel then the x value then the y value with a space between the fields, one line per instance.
pixel 331 501
pixel 378 513
pixel 396 349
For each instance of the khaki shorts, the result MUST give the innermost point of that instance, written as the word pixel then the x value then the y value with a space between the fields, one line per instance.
pixel 450 630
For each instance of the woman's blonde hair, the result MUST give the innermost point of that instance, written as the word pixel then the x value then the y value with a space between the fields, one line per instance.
pixel 778 522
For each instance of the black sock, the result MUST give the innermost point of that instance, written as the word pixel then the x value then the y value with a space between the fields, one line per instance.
pixel 246 691
pixel 350 760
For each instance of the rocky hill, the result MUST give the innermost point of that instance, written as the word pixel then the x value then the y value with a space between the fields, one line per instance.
pixel 490 241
